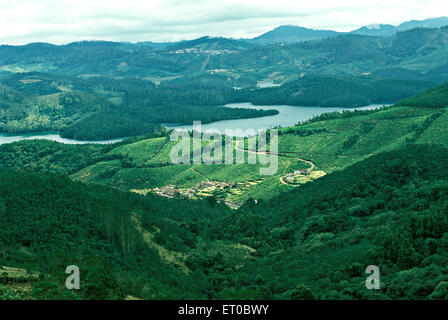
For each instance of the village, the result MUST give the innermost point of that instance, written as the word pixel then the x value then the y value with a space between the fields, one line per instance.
pixel 222 191
pixel 198 50
pixel 299 177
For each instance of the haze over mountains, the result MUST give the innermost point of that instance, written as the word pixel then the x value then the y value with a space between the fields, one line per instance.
pixel 292 34
pixel 418 53
pixel 288 34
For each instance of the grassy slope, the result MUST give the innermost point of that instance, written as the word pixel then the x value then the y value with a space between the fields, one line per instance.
pixel 146 163
pixel 388 210
pixel 378 132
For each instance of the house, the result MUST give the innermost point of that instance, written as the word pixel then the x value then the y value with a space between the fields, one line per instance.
pixel 303 172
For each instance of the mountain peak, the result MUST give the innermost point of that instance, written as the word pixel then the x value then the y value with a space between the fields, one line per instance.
pixel 288 34
pixel 292 34
pixel 427 23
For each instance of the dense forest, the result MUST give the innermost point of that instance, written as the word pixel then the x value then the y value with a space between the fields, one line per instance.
pixel 389 210
pixel 371 185
pixel 331 91
pixel 23 113
pixel 421 51
pixel 309 242
pixel 51 218
pixel 45 87
pixel 108 108
pixel 133 121
pixel 101 108
pixel 433 98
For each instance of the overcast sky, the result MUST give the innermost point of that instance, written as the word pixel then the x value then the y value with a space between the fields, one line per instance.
pixel 63 21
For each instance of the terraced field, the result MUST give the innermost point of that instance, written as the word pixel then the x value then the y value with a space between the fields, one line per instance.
pixel 333 145
pixel 319 146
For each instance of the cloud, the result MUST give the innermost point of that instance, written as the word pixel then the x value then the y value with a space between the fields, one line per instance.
pixel 63 21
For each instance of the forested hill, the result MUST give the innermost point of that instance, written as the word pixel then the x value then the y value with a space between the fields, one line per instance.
pixel 123 243
pixel 390 210
pixel 99 90
pixel 313 242
pixel 134 121
pixel 336 91
pixel 20 112
pixel 292 34
pixel 432 98
pixel 106 108
pixel 421 51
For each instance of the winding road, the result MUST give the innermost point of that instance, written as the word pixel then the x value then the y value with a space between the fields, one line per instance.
pixel 311 168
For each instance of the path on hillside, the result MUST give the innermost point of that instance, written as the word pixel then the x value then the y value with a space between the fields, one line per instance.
pixel 201 174
pixel 207 60
pixel 168 256
pixel 313 166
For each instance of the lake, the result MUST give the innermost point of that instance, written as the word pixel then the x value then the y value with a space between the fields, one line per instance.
pixel 53 136
pixel 288 116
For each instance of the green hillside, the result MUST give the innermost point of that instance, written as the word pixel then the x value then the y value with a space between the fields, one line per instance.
pixel 336 91
pixel 421 50
pixel 432 98
pixel 388 210
pixel 47 112
pixel 326 143
pixel 330 142
pixel 104 108
pixel 96 90
pixel 121 246
pixel 376 194
pixel 352 189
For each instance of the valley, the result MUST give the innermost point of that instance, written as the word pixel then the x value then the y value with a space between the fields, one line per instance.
pixel 87 176
pixel 327 145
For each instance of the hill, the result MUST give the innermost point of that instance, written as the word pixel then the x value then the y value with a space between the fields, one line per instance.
pixel 135 121
pixel 421 50
pixel 111 236
pixel 102 108
pixel 52 112
pixel 289 34
pixel 211 44
pixel 388 210
pixel 373 212
pixel 292 34
pixel 332 141
pixel 432 98
pixel 427 23
pixel 390 30
pixel 335 91
pixel 382 30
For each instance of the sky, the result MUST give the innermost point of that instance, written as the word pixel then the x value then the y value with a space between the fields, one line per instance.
pixel 64 21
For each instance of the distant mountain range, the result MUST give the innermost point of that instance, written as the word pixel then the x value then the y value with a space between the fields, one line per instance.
pixel 292 34
pixel 416 54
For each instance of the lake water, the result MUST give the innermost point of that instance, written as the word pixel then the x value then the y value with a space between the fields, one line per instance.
pixel 288 116
pixel 53 136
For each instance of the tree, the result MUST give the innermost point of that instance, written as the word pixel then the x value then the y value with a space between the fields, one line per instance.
pixel 440 292
pixel 301 292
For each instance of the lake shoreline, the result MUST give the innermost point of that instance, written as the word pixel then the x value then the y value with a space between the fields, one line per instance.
pixel 52 136
pixel 286 117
